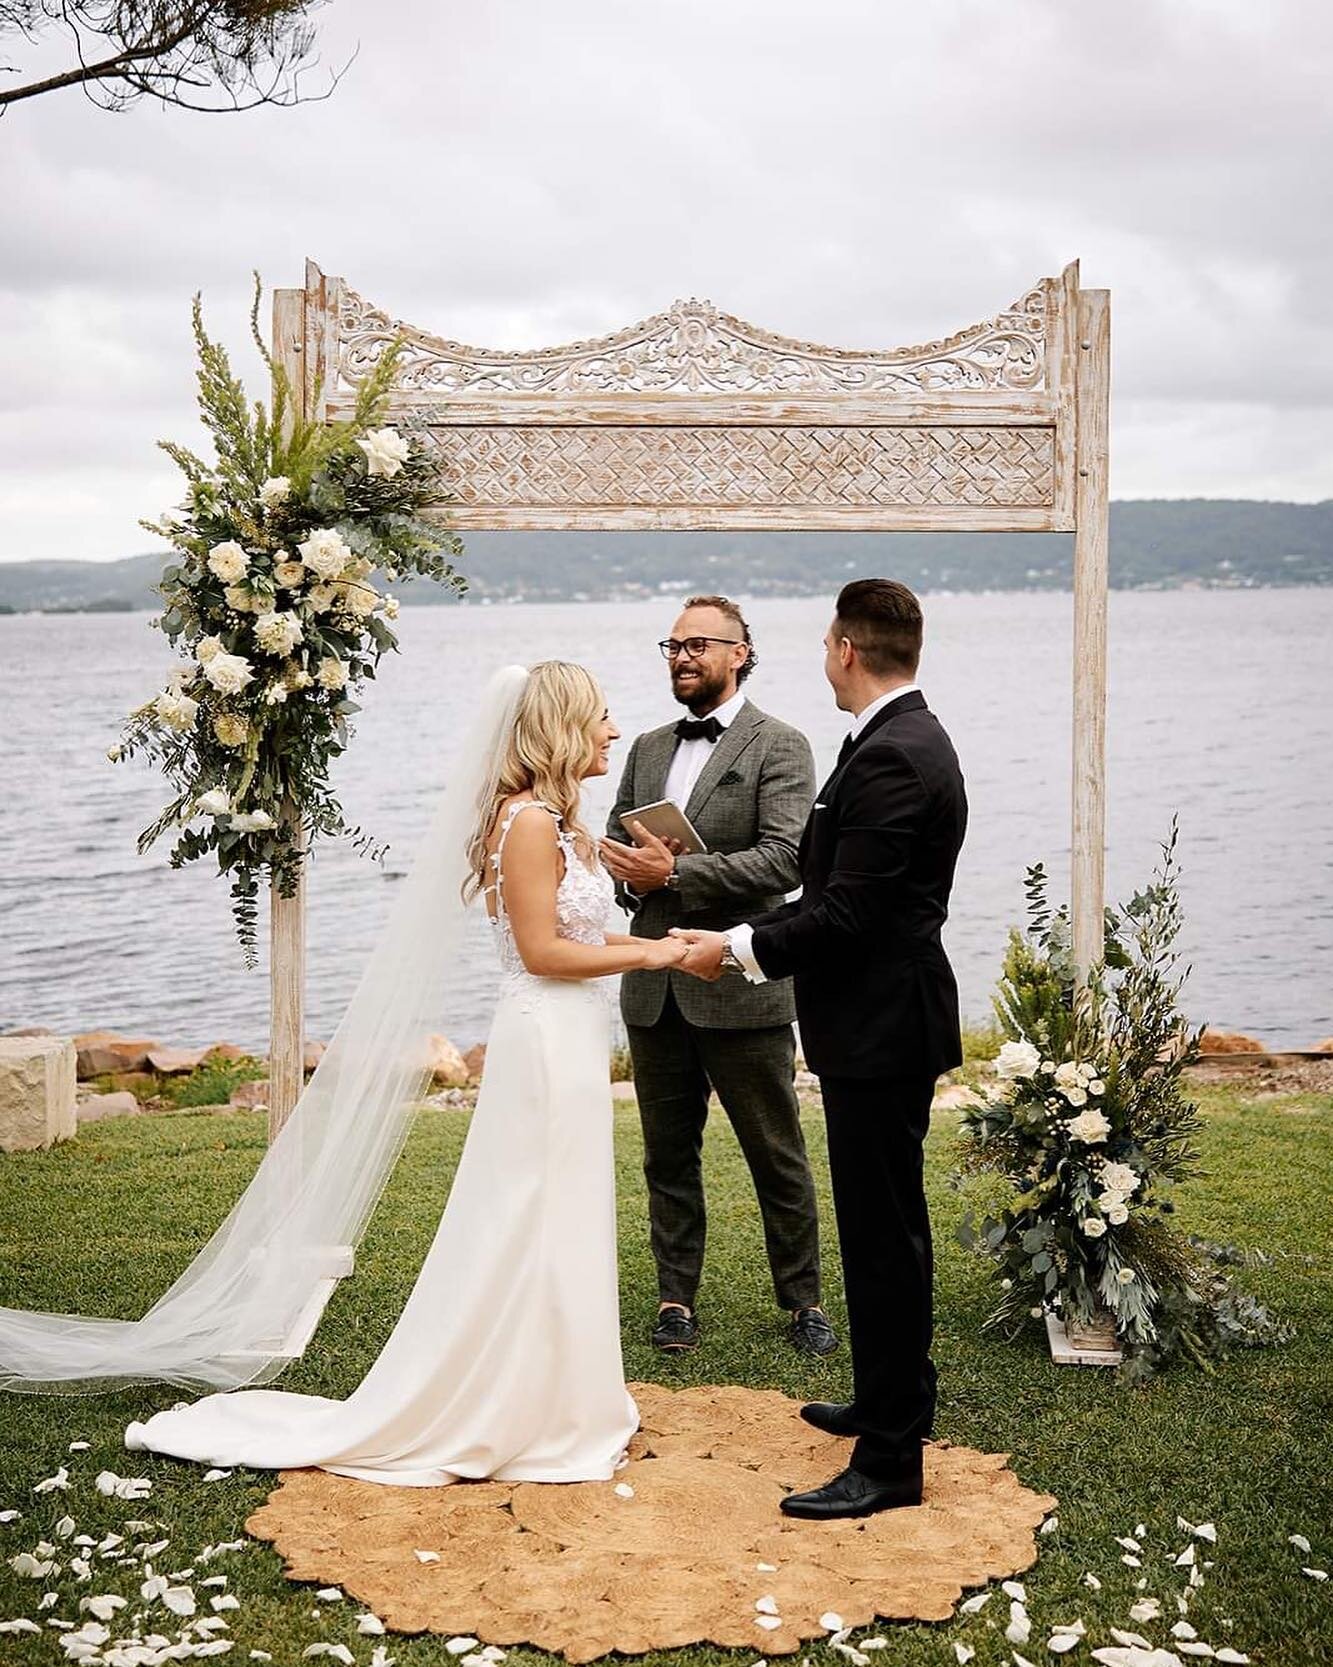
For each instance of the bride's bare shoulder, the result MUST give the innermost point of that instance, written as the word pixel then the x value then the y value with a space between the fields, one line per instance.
pixel 521 832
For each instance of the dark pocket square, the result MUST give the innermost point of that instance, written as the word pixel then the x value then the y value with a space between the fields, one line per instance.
pixel 730 779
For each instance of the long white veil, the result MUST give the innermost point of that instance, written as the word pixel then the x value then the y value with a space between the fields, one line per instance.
pixel 224 1322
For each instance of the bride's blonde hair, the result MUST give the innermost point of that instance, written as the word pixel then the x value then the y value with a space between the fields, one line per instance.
pixel 548 752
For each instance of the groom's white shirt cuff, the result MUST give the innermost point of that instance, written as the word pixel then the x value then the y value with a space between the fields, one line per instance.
pixel 740 938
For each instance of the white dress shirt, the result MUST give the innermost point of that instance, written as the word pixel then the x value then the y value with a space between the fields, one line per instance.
pixel 740 937
pixel 689 758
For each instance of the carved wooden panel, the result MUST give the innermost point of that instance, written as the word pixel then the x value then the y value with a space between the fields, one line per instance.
pixel 527 467
pixel 694 348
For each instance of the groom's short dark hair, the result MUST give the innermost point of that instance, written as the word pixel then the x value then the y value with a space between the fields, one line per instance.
pixel 882 621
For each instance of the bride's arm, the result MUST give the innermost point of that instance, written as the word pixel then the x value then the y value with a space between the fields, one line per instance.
pixel 530 868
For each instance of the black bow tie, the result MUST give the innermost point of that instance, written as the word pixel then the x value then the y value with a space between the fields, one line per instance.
pixel 705 729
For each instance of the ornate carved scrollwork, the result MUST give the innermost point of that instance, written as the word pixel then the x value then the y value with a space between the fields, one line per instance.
pixel 694 348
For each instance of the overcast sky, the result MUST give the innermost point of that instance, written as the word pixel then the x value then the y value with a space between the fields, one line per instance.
pixel 864 173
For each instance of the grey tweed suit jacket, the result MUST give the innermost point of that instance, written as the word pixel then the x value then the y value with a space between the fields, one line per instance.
pixel 749 805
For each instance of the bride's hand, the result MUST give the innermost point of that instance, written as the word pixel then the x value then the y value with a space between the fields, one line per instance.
pixel 660 953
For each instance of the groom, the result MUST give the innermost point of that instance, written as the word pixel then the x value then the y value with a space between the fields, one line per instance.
pixel 878 1011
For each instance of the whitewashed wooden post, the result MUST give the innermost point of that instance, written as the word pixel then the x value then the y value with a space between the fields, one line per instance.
pixel 1091 550
pixel 286 1045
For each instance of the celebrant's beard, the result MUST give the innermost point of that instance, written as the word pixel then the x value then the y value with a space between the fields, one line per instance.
pixel 701 694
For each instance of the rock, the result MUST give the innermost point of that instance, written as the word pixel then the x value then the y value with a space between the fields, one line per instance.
pixel 176 1062
pixel 250 1096
pixel 475 1060
pixel 38 1083
pixel 103 1051
pixel 142 1084
pixel 96 1108
pixel 1229 1041
pixel 222 1053
pixel 31 1030
pixel 311 1055
pixel 447 1065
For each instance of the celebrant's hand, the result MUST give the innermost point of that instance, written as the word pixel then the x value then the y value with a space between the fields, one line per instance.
pixel 644 867
pixel 704 953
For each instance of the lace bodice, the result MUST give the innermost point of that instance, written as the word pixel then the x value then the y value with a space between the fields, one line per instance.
pixel 584 899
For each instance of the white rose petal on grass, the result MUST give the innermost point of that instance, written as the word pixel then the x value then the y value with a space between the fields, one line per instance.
pixel 339 1652
pixel 1298 1540
pixel 770 1623
pixel 1146 1609
pixel 104 1605
pixel 1014 1589
pixel 49 1600
pixel 370 1626
pixel 327 1594
pixel 963 1653
pixel 51 1484
pixel 65 1527
pixel 830 1621
pixel 79 1446
pixel 1092 1581
pixel 20 1624
pixel 1060 1643
pixel 1316 1574
pixel 1131 1562
pixel 179 1600
pixel 215 1646
pixel 1019 1629
pixel 461 1645
pixel 426 1556
pixel 33 1567
pixel 1206 1531
pixel 1049 1526
pixel 1233 1658
pixel 1186 1558
pixel 624 1491
pixel 260 1655
pixel 216 1475
pixel 971 1605
pixel 1197 1647
pixel 767 1605
pixel 1131 1640
pixel 13 1516
pixel 380 1657
pixel 225 1600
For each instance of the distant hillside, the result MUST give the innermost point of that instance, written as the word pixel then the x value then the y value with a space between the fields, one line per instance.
pixel 1155 544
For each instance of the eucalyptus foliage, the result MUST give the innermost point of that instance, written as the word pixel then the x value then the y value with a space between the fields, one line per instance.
pixel 1090 1119
pixel 271 599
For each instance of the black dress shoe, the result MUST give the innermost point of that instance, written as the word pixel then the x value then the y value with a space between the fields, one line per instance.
pixel 677 1330
pixel 833 1417
pixel 811 1333
pixel 852 1494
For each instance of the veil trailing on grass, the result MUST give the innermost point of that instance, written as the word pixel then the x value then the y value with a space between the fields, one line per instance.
pixel 226 1320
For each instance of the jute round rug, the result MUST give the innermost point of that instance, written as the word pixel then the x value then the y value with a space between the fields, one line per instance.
pixel 686 1545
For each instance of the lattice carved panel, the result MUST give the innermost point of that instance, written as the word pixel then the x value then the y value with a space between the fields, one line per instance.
pixel 516 466
pixel 695 348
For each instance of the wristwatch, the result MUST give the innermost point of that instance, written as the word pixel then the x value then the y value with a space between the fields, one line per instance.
pixel 672 881
pixel 731 962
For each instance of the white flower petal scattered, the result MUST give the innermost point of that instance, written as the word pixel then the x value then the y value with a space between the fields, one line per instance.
pixel 1316 1574
pixel 1233 1658
pixel 461 1645
pixel 216 1475
pixel 1146 1609
pixel 20 1624
pixel 1186 1558
pixel 1131 1562
pixel 624 1490
pixel 1060 1643
pixel 369 1625
pixel 1182 1629
pixel 1128 1543
pixel 1090 1579
pixel 830 1621
pixel 970 1606
pixel 13 1516
pixel 34 1568
pixel 767 1605
pixel 179 1600
pixel 1049 1526
pixel 1132 1640
pixel 122 1487
pixel 380 1657
pixel 226 1600
pixel 1197 1647
pixel 963 1653
pixel 768 1568
pixel 426 1556
pixel 339 1652
pixel 50 1484
pixel 104 1605
pixel 1298 1540
pixel 770 1623
pixel 260 1655
pixel 1206 1531
pixel 327 1594
pixel 1014 1589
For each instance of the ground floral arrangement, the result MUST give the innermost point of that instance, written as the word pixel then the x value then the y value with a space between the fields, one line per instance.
pixel 1089 1118
pixel 274 602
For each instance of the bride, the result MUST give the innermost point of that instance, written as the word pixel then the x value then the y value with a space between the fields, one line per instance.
pixel 505 1361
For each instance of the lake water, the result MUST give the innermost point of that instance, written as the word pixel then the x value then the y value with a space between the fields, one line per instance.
pixel 1221 709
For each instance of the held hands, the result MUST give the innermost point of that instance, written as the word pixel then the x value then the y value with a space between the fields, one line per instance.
pixel 643 867
pixel 661 953
pixel 703 955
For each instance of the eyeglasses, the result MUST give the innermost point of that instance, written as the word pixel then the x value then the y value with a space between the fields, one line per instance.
pixel 693 648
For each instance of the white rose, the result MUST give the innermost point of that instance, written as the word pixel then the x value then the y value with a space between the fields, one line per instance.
pixel 361 600
pixel 391 607
pixel 278 633
pixel 290 573
pixel 332 673
pixel 274 490
pixel 1119 1177
pixel 1069 1075
pixel 386 451
pixel 1117 1215
pixel 208 647
pixel 1048 1067
pixel 275 694
pixel 252 821
pixel 238 599
pixel 1075 1096
pixel 325 553
pixel 1016 1059
pixel 1093 1226
pixel 228 673
pixel 1110 1199
pixel 216 802
pixel 1089 1126
pixel 1097 1086
pixel 320 598
pixel 176 710
pixel 296 677
pixel 228 561
pixel 1126 1276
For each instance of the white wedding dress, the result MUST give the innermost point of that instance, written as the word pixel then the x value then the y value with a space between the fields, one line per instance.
pixel 506 1361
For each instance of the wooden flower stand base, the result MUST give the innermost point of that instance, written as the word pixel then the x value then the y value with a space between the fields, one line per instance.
pixel 1077 1344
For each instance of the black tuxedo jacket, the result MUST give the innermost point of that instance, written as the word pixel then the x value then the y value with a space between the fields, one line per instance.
pixel 875 994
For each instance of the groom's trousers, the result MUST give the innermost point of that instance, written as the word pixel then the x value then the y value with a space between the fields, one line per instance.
pixel 676 1064
pixel 876 1131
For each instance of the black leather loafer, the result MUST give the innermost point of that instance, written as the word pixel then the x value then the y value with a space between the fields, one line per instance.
pixel 811 1333
pixel 833 1417
pixel 676 1331
pixel 852 1494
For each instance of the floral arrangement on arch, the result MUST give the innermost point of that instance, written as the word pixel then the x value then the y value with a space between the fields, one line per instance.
pixel 1089 1120
pixel 274 603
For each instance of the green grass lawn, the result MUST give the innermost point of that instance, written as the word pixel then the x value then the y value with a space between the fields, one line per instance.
pixel 104 1224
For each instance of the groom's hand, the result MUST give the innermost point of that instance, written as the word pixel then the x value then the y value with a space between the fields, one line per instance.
pixel 643 867
pixel 704 957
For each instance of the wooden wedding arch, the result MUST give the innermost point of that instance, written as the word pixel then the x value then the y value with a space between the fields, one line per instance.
pixel 694 419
